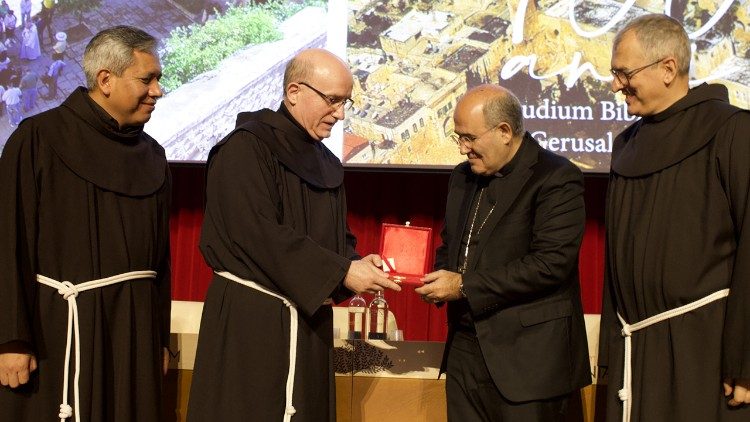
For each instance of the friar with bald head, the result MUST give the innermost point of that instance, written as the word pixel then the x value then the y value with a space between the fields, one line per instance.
pixel 508 269
pixel 276 236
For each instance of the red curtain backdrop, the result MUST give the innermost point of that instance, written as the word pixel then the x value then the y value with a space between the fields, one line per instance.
pixel 375 197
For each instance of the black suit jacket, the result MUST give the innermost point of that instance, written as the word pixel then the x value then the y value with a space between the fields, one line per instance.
pixel 522 281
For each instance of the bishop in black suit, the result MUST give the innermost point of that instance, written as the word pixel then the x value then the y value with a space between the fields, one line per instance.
pixel 508 269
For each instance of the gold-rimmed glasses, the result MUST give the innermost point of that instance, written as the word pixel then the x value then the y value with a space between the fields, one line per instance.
pixel 332 102
pixel 469 139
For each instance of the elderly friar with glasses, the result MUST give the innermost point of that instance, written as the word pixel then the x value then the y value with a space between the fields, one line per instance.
pixel 675 334
pixel 276 236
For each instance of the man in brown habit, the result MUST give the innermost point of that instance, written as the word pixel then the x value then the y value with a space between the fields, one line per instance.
pixel 275 233
pixel 84 247
pixel 508 269
pixel 675 334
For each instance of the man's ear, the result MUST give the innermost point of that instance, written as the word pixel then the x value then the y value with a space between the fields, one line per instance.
pixel 292 93
pixel 506 132
pixel 670 70
pixel 103 80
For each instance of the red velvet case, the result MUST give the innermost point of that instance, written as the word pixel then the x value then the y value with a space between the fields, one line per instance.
pixel 406 252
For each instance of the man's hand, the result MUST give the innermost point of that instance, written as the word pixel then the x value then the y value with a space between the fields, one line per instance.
pixel 440 286
pixel 16 364
pixel 739 389
pixel 364 276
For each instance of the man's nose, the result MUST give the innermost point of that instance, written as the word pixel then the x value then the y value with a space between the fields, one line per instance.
pixel 154 89
pixel 616 85
pixel 339 113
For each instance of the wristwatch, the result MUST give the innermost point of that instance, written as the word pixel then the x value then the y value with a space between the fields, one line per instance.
pixel 461 290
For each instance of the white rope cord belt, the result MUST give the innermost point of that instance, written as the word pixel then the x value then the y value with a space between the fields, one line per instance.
pixel 69 292
pixel 626 394
pixel 289 410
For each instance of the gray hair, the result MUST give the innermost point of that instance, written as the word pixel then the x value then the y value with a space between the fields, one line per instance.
pixel 113 49
pixel 298 69
pixel 660 36
pixel 504 108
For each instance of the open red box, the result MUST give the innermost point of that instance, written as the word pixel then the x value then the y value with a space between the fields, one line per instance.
pixel 406 252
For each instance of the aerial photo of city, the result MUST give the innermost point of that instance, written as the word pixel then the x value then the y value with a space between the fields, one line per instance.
pixel 412 59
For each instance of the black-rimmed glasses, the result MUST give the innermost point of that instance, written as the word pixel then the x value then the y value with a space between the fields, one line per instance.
pixel 624 76
pixel 469 139
pixel 332 102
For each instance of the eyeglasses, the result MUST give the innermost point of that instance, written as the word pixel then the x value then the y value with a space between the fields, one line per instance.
pixel 624 76
pixel 469 139
pixel 332 102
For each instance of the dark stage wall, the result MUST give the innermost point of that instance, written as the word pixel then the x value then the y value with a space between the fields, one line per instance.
pixel 375 197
